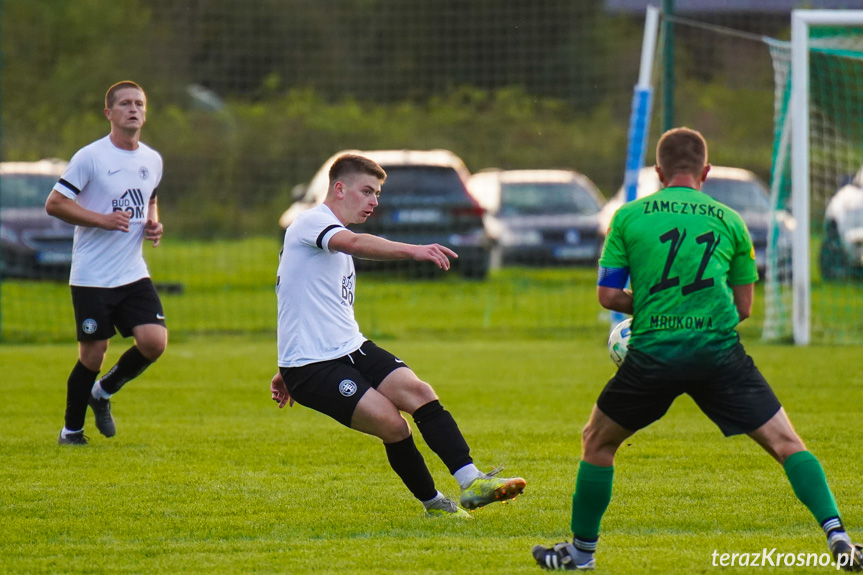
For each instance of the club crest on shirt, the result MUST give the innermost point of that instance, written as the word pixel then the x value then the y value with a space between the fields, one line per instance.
pixel 143 172
pixel 347 387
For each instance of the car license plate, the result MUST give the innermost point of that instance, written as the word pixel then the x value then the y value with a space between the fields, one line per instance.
pixel 54 257
pixel 417 216
pixel 573 252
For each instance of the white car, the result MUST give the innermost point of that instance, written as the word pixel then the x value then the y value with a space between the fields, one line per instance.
pixel 540 217
pixel 739 189
pixel 841 252
pixel 424 200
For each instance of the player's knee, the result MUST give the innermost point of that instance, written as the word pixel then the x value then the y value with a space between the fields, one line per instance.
pixel 414 394
pixel 92 354
pixel 787 447
pixel 598 446
pixel 424 392
pixel 159 349
pixel 589 444
pixel 588 436
pixel 393 429
pixel 152 348
pixel 92 362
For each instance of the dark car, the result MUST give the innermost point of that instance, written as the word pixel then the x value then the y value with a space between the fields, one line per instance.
pixel 742 191
pixel 33 245
pixel 541 217
pixel 424 200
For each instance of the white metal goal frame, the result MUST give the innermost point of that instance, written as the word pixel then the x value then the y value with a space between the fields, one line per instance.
pixel 801 21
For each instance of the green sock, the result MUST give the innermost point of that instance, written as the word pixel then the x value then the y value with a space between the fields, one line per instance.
pixel 590 500
pixel 810 485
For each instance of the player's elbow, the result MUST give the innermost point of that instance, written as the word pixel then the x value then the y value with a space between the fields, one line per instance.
pixel 743 295
pixel 52 206
pixel 607 297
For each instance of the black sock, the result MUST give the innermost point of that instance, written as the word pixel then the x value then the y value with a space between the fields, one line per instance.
pixel 130 365
pixel 442 435
pixel 78 388
pixel 408 463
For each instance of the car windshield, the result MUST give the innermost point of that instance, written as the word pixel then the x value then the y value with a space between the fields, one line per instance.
pixel 526 199
pixel 25 190
pixel 739 195
pixel 423 184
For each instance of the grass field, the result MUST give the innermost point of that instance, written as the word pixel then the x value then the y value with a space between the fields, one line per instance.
pixel 206 475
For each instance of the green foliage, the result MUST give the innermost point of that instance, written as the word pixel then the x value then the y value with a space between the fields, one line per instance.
pixel 54 53
pixel 738 118
pixel 534 84
pixel 206 475
pixel 231 172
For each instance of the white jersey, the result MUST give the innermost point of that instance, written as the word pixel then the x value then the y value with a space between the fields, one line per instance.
pixel 315 288
pixel 103 178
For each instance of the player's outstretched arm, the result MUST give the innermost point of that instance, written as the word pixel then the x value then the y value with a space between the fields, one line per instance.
pixel 371 247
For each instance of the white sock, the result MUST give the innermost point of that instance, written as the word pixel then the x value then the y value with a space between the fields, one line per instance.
pixel 98 393
pixel 434 499
pixel 583 550
pixel 66 432
pixel 466 475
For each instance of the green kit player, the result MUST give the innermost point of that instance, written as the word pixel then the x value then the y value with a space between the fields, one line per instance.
pixel 691 265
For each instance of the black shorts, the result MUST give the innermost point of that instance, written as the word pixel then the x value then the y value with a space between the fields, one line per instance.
pixel 334 387
pixel 735 396
pixel 98 311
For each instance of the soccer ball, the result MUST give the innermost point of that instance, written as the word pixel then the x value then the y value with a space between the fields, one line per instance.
pixel 619 340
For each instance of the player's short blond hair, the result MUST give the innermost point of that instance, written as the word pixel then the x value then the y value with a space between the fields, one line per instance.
pixel 111 94
pixel 681 151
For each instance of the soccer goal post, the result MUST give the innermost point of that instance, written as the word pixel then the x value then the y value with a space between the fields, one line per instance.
pixel 819 99
pixel 639 119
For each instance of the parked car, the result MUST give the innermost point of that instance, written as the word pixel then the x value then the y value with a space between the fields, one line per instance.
pixel 841 254
pixel 33 244
pixel 739 189
pixel 423 200
pixel 541 217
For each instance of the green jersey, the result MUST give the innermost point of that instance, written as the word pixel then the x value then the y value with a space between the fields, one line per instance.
pixel 684 251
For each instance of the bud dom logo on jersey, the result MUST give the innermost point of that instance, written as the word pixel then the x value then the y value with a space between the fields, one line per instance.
pixel 131 201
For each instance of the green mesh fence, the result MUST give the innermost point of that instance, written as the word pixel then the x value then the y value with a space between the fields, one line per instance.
pixel 836 190
pixel 248 99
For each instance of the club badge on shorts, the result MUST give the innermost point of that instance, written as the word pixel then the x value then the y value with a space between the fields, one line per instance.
pixel 89 326
pixel 347 387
